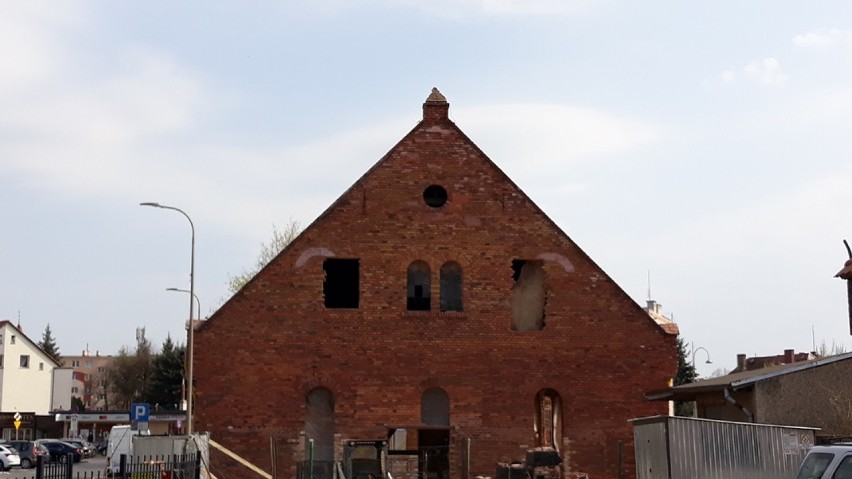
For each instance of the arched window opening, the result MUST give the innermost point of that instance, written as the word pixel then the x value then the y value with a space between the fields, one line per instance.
pixel 528 295
pixel 548 419
pixel 319 426
pixel 451 287
pixel 435 407
pixel 419 286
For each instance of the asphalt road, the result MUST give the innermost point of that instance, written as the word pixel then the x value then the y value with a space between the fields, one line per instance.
pixel 90 468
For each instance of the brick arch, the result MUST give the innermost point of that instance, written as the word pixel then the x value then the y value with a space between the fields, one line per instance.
pixel 316 381
pixel 435 407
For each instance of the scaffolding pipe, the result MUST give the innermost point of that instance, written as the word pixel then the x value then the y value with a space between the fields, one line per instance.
pixel 467 460
pixel 310 459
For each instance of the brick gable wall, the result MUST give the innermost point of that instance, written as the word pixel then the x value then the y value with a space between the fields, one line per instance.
pixel 258 357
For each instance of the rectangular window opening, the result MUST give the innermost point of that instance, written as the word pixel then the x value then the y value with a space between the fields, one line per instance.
pixel 340 287
pixel 419 301
pixel 25 361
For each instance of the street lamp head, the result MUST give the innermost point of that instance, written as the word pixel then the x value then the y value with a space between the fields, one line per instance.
pixel 708 361
pixel 150 203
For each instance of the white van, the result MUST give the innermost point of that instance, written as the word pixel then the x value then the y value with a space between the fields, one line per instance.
pixel 120 443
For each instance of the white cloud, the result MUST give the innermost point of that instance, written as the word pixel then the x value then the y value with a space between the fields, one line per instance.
pixel 728 76
pixel 825 38
pixel 547 134
pixel 765 72
pixel 84 138
pixel 71 125
pixel 30 33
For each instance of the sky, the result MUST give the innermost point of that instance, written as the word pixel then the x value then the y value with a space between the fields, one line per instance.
pixel 699 151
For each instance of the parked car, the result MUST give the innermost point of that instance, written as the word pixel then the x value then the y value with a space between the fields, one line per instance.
pixel 60 450
pixel 9 457
pixel 823 462
pixel 29 451
pixel 87 447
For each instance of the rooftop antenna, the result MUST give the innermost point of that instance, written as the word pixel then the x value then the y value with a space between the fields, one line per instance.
pixel 649 284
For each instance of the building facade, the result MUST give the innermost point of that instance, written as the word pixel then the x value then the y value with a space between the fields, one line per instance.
pixel 89 379
pixel 436 307
pixel 812 393
pixel 31 382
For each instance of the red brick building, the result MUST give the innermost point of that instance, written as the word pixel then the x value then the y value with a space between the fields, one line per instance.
pixel 436 306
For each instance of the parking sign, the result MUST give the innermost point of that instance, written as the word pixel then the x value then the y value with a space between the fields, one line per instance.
pixel 139 412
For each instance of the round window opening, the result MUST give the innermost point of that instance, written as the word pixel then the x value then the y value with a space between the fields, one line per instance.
pixel 435 196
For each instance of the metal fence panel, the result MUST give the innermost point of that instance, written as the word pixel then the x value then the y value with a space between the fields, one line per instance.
pixel 651 451
pixel 672 447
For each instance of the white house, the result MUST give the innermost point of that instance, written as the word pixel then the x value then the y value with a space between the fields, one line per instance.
pixel 30 380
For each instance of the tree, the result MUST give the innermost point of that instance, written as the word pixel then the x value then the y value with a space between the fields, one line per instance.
pixel 77 404
pixel 824 350
pixel 48 343
pixel 165 386
pixel 685 374
pixel 129 375
pixel 102 386
pixel 268 251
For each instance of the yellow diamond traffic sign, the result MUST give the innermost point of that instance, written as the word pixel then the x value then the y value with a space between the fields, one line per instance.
pixel 17 416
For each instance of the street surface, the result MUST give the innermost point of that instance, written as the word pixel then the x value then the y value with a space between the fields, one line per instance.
pixel 92 467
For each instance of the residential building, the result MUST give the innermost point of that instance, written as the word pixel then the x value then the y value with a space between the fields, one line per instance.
pixel 789 356
pixel 655 311
pixel 31 382
pixel 88 378
pixel 810 393
pixel 436 307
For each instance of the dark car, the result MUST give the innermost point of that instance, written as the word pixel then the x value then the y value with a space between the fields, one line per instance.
pixel 29 452
pixel 85 446
pixel 59 451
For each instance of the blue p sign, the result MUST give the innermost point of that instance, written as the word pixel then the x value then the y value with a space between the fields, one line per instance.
pixel 139 412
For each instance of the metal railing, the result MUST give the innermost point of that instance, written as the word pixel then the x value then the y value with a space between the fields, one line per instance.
pixel 176 466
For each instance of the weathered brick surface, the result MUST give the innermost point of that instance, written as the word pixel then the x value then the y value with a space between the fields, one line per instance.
pixel 269 345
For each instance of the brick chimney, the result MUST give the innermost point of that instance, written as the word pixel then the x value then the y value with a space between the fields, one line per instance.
pixel 741 362
pixel 436 109
pixel 789 356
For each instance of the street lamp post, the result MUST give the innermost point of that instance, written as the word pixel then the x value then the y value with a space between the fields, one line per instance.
pixel 197 302
pixel 700 348
pixel 190 333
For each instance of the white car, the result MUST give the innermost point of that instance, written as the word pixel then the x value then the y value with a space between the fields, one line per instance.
pixel 827 462
pixel 8 458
